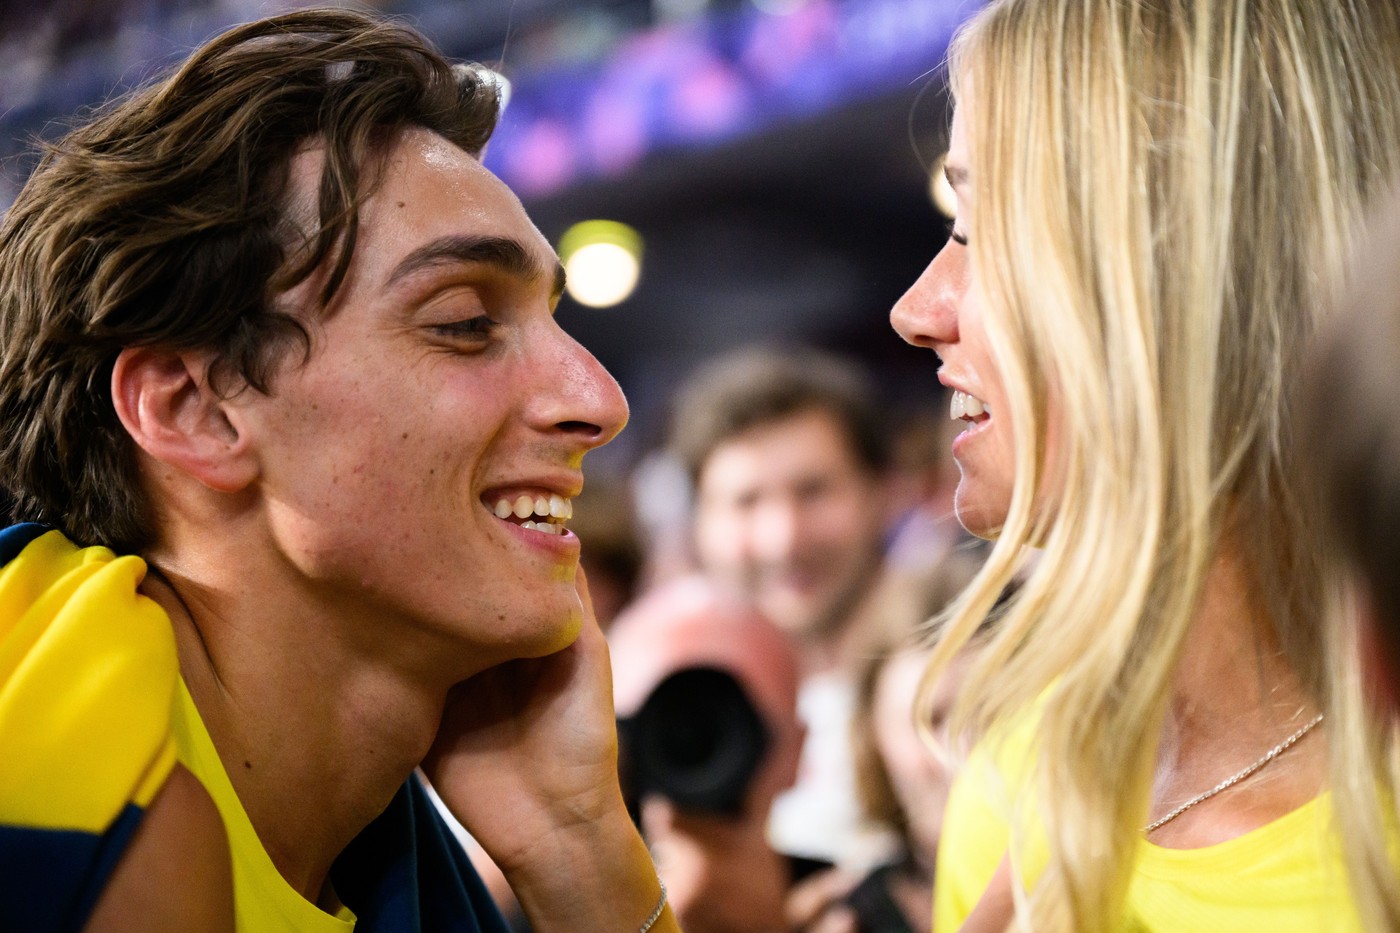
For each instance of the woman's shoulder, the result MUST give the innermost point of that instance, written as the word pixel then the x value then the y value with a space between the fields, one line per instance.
pixel 977 821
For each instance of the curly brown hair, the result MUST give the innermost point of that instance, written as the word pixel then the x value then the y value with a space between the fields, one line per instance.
pixel 164 221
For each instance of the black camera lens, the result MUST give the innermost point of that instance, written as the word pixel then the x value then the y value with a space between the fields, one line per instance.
pixel 697 740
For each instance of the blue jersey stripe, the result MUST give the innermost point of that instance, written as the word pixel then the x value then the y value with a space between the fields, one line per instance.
pixel 50 879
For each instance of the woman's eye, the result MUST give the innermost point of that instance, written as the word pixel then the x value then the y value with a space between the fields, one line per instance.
pixel 477 327
pixel 958 237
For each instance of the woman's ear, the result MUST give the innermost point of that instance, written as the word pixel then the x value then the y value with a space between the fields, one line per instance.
pixel 166 404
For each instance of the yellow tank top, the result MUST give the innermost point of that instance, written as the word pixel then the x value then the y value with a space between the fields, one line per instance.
pixel 263 901
pixel 1285 877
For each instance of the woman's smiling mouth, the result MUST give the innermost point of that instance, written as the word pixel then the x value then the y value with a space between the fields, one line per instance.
pixel 966 407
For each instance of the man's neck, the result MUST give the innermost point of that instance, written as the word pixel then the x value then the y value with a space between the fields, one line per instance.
pixel 315 737
pixel 838 645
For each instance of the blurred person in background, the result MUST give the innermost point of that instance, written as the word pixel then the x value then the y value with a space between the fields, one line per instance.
pixel 604 518
pixel 1154 201
pixel 789 460
pixel 1351 443
pixel 284 399
pixel 706 689
pixel 926 477
pixel 903 768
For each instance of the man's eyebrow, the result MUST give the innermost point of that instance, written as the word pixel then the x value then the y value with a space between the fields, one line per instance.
pixel 956 174
pixel 503 253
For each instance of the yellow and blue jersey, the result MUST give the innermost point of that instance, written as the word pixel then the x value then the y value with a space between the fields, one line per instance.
pixel 93 718
pixel 88 675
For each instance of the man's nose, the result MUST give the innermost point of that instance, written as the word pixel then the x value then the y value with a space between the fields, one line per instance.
pixel 777 530
pixel 580 397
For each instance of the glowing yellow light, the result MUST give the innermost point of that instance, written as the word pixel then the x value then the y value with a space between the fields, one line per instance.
pixel 939 191
pixel 603 262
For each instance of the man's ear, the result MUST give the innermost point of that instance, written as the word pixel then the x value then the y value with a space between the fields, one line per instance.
pixel 166 404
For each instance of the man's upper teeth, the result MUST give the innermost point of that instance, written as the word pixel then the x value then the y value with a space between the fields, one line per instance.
pixel 966 406
pixel 524 506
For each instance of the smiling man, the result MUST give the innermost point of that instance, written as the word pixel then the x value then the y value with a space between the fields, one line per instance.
pixel 295 432
pixel 790 460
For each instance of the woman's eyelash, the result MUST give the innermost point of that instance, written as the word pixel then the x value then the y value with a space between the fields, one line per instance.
pixel 958 237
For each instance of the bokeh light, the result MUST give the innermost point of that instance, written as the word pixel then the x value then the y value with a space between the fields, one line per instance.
pixel 603 261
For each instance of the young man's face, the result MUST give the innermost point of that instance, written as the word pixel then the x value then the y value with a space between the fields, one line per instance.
pixel 440 400
pixel 786 512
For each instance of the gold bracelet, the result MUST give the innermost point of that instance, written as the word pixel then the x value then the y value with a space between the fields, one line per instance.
pixel 660 906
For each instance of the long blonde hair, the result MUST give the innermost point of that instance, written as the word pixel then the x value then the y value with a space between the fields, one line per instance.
pixel 1163 193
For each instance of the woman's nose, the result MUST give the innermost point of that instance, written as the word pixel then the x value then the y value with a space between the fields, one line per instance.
pixel 927 314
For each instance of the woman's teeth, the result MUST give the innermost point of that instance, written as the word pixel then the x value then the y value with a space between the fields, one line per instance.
pixel 966 407
pixel 540 512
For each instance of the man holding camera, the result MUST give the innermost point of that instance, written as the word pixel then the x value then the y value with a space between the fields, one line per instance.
pixel 790 463
pixel 706 688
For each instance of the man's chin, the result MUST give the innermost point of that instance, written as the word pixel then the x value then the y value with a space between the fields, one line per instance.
pixel 551 635
pixel 793 615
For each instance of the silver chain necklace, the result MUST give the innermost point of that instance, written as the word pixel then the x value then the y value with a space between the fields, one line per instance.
pixel 1234 779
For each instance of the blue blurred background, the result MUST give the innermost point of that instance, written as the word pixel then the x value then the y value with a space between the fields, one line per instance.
pixel 773 156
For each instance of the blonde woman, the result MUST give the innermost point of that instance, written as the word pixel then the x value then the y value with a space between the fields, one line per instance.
pixel 1153 197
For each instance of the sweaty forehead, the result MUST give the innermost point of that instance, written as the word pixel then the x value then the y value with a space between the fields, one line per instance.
pixel 419 188
pixel 431 187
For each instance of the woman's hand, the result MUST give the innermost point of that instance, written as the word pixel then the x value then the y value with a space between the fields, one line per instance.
pixel 530 746
pixel 526 759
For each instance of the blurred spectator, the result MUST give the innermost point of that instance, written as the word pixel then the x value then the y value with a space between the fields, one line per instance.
pixel 926 476
pixel 902 782
pixel 1351 439
pixel 710 846
pixel 605 521
pixel 790 464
